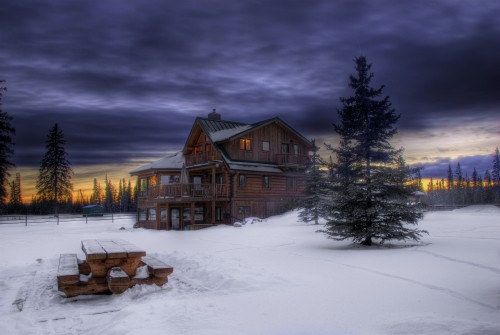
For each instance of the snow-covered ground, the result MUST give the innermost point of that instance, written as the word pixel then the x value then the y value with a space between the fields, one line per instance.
pixel 273 277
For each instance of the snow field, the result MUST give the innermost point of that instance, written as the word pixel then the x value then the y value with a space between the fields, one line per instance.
pixel 273 277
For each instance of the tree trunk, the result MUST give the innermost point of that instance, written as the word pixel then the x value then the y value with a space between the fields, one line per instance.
pixel 367 241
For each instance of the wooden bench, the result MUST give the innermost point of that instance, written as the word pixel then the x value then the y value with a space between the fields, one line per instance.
pixel 68 273
pixel 157 267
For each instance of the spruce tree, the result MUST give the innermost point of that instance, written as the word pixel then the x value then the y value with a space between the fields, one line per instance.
pixel 6 146
pixel 371 191
pixel 312 205
pixel 449 178
pixel 459 176
pixel 495 172
pixel 96 197
pixel 54 179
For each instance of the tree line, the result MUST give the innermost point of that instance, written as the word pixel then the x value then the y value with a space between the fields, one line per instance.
pixel 53 185
pixel 460 189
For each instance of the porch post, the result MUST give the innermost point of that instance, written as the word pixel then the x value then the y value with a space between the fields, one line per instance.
pixel 192 213
pixel 168 217
pixel 214 194
pixel 158 217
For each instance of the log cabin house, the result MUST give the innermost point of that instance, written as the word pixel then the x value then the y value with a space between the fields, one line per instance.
pixel 227 171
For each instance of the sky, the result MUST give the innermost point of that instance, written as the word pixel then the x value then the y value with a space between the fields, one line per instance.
pixel 125 80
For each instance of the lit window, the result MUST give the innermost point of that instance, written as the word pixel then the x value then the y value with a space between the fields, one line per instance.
pixel 245 144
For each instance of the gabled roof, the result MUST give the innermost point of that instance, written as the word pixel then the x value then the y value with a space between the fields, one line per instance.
pixel 264 123
pixel 221 130
pixel 170 161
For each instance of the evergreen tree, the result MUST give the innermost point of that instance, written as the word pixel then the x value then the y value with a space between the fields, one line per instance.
pixel 449 178
pixel 312 204
pixel 130 197
pixel 120 195
pixel 459 176
pixel 487 178
pixel 371 191
pixel 495 172
pixel 475 178
pixel 96 197
pixel 109 195
pixel 54 179
pixel 6 146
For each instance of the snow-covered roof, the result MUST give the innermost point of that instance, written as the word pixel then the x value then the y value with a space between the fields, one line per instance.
pixel 254 167
pixel 170 161
pixel 224 134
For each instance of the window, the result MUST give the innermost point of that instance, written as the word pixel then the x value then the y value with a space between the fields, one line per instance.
pixel 198 214
pixel 245 144
pixel 144 184
pixel 245 210
pixel 265 145
pixel 169 179
pixel 186 214
pixel 296 149
pixel 142 214
pixel 242 180
pixel 151 214
pixel 163 215
pixel 285 148
pixel 265 182
pixel 291 183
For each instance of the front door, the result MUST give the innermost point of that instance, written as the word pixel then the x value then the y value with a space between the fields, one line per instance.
pixel 175 218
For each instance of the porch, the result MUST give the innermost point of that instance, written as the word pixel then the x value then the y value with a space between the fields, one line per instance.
pixel 183 215
pixel 186 192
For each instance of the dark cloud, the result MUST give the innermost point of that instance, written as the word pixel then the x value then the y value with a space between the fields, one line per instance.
pixel 125 80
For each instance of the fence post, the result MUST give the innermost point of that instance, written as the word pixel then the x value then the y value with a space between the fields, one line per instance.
pixel 112 219
pixel 26 221
pixel 86 217
pixel 58 219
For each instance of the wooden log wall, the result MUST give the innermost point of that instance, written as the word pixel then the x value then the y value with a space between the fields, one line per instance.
pixel 275 135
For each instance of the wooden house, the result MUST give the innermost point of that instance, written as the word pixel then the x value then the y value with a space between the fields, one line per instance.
pixel 227 171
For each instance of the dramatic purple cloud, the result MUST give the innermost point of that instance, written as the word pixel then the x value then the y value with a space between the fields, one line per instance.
pixel 125 79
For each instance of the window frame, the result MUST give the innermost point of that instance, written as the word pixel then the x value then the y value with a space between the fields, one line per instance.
pixel 242 180
pixel 245 144
pixel 291 183
pixel 266 185
pixel 285 148
pixel 151 214
pixel 268 146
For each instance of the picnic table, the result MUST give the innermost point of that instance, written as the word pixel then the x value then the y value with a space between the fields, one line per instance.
pixel 110 265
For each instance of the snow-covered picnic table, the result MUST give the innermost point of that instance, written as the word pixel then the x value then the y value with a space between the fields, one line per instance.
pixel 110 266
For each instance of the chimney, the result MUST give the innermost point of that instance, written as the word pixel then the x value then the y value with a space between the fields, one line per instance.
pixel 214 116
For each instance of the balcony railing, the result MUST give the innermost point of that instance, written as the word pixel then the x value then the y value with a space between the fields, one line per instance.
pixel 176 191
pixel 287 159
pixel 202 157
